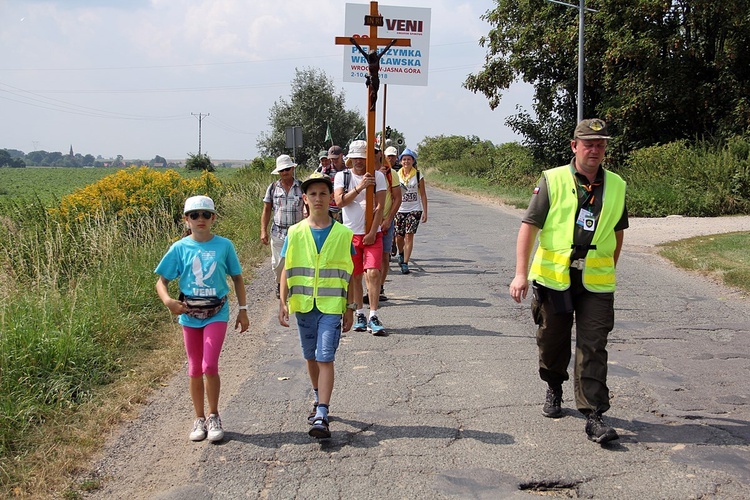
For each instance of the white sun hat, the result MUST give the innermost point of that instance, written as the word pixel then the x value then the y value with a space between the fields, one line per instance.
pixel 282 163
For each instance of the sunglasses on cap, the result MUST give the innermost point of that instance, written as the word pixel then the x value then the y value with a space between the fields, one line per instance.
pixel 195 215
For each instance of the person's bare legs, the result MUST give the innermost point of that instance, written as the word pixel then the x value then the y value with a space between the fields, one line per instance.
pixel 356 284
pixel 400 244
pixel 213 387
pixel 372 276
pixel 385 265
pixel 197 395
pixel 313 372
pixel 325 381
pixel 408 246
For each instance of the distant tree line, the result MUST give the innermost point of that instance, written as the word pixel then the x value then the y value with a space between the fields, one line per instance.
pixel 14 158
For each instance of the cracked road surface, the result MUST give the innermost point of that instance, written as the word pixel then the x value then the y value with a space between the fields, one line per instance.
pixel 449 404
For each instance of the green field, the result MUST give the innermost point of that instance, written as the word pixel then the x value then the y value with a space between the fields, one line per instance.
pixel 52 183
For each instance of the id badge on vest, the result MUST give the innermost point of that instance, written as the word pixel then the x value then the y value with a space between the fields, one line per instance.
pixel 586 220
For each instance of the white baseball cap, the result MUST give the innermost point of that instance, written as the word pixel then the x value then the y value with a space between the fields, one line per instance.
pixel 196 203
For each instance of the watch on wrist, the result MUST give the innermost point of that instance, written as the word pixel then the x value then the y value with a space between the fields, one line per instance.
pixel 242 308
pixel 352 306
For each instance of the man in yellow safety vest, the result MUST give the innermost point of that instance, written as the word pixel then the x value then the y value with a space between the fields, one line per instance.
pixel 578 211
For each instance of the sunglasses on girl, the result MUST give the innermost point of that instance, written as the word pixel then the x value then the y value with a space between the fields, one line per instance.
pixel 195 215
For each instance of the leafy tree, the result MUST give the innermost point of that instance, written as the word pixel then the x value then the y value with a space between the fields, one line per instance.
pixel 15 153
pixel 657 70
pixel 159 161
pixel 199 162
pixel 313 105
pixel 439 148
pixel 6 160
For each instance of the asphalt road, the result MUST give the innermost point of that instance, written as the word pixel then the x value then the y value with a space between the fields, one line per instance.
pixel 449 404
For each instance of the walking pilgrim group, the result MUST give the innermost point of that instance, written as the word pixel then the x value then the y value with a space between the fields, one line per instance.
pixel 328 265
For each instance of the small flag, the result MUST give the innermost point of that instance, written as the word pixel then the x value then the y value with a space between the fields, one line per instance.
pixel 361 136
pixel 328 134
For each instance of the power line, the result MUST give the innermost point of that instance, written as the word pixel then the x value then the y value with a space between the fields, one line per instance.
pixel 63 106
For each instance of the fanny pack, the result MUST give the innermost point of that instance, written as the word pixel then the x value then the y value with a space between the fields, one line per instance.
pixel 202 307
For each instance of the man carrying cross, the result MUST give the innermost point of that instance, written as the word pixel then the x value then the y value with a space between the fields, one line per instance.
pixel 373 20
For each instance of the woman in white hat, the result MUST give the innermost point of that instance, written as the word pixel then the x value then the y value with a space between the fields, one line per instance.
pixel 413 209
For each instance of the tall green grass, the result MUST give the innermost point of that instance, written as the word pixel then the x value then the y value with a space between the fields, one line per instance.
pixel 701 179
pixel 78 307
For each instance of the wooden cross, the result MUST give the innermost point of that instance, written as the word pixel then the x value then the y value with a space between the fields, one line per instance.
pixel 373 20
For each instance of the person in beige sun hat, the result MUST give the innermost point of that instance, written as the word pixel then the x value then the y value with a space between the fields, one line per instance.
pixel 283 203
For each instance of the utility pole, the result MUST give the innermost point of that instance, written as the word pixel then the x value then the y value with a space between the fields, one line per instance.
pixel 200 117
pixel 581 8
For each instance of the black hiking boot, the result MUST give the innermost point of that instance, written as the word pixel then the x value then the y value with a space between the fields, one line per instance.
pixel 599 432
pixel 553 402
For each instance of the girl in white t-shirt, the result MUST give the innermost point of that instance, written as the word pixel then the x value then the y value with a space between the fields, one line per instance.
pixel 413 209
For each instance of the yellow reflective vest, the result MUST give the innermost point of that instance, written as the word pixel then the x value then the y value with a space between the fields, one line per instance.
pixel 320 279
pixel 551 264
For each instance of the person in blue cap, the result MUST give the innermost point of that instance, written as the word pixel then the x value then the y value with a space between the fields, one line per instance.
pixel 413 209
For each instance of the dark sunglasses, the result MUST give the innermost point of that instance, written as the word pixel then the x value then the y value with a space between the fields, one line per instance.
pixel 195 215
pixel 285 169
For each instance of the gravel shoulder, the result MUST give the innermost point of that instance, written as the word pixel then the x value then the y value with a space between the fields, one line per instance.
pixel 650 232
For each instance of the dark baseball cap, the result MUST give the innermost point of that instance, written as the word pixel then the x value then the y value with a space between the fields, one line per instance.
pixel 335 151
pixel 317 177
pixel 592 128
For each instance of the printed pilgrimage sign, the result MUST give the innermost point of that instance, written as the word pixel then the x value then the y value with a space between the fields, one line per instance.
pixel 399 65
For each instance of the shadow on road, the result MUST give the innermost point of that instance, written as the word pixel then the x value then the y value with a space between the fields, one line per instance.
pixel 440 330
pixel 437 301
pixel 360 434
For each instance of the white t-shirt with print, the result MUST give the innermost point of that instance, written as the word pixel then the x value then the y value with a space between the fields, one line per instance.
pixel 411 200
pixel 354 212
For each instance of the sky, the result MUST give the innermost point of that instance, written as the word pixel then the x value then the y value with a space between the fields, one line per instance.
pixel 132 77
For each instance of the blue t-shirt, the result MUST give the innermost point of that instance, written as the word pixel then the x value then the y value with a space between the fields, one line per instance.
pixel 202 268
pixel 319 236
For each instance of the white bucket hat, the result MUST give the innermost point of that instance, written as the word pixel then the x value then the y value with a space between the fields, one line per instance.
pixel 197 203
pixel 282 163
pixel 391 151
pixel 357 149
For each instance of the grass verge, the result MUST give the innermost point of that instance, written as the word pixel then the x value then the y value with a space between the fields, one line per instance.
pixel 514 196
pixel 723 256
pixel 83 336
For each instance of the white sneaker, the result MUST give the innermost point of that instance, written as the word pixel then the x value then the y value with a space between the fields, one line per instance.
pixel 199 430
pixel 215 432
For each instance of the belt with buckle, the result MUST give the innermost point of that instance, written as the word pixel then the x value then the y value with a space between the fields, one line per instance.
pixel 578 264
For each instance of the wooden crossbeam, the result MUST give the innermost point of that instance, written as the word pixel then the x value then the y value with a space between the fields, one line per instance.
pixel 372 42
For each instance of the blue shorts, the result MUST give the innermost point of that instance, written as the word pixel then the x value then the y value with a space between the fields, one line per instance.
pixel 319 335
pixel 388 237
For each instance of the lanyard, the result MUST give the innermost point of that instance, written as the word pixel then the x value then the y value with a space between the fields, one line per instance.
pixel 589 188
